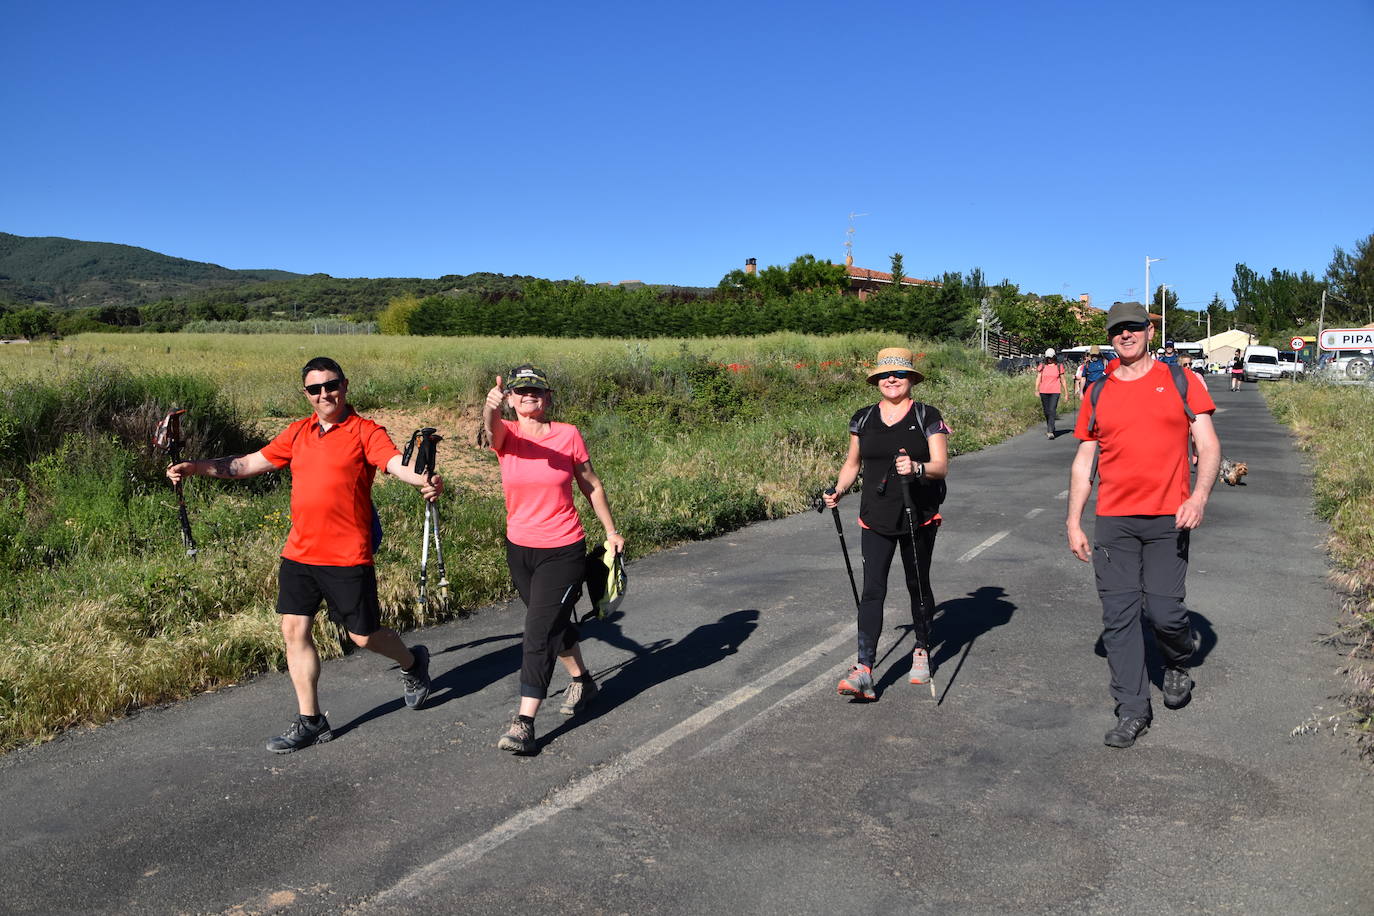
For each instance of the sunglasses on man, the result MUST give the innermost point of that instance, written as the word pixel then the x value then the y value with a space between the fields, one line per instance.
pixel 899 374
pixel 526 392
pixel 1136 326
pixel 331 385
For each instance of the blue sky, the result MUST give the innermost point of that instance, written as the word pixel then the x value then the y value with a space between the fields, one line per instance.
pixel 1055 144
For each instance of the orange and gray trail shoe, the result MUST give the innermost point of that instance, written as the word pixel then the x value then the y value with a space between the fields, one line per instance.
pixel 920 666
pixel 858 683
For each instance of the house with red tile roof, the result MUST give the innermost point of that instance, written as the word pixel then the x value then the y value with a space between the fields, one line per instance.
pixel 864 282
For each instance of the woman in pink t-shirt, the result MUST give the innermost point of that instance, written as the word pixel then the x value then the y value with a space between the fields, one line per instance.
pixel 546 549
pixel 1050 383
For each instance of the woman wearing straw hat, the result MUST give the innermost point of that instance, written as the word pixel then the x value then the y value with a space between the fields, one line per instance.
pixel 899 444
pixel 545 545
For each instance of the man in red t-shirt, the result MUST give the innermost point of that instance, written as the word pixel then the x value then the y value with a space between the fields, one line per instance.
pixel 1146 508
pixel 334 455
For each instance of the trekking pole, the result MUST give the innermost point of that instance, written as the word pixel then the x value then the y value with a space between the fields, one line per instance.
pixel 907 506
pixel 167 438
pixel 423 446
pixel 844 548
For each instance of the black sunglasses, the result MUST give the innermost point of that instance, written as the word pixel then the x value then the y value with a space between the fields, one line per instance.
pixel 1136 326
pixel 331 385
pixel 527 391
pixel 899 374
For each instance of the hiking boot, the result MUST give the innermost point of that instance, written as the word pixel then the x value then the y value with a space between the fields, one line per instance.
pixel 577 696
pixel 519 738
pixel 920 666
pixel 416 680
pixel 301 734
pixel 858 683
pixel 1127 730
pixel 1178 688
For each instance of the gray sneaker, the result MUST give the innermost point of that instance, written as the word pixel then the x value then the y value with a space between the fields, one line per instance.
pixel 578 696
pixel 300 734
pixel 858 683
pixel 519 737
pixel 416 680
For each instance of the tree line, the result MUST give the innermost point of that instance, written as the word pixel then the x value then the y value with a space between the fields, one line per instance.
pixel 807 296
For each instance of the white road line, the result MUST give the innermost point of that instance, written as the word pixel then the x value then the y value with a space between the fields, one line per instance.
pixel 983 546
pixel 824 679
pixel 1033 513
pixel 424 879
pixel 1063 494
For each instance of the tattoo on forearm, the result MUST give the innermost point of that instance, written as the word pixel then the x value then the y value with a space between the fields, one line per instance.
pixel 224 467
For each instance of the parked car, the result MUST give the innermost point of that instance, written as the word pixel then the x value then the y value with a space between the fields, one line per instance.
pixel 1261 362
pixel 1290 363
pixel 1348 367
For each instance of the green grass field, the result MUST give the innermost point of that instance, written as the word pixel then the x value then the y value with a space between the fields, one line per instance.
pixel 103 613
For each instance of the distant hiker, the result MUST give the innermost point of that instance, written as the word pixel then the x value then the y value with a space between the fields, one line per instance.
pixel 546 548
pixel 1050 383
pixel 896 437
pixel 334 455
pixel 1170 355
pixel 1092 369
pixel 1146 509
pixel 1237 371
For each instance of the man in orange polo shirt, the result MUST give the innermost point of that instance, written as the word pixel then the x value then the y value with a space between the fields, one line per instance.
pixel 334 455
pixel 1146 509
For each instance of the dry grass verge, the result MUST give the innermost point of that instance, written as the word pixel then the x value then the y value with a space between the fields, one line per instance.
pixel 1334 424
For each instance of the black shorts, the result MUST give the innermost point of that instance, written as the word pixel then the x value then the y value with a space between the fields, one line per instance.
pixel 350 593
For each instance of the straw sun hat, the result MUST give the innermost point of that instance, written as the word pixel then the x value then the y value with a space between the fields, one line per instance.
pixel 894 358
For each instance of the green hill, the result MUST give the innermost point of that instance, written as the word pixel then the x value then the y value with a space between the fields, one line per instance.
pixel 70 273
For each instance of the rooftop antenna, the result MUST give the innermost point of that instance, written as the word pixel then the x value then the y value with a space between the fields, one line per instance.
pixel 849 240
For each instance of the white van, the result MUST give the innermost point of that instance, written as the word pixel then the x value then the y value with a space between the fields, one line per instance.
pixel 1261 362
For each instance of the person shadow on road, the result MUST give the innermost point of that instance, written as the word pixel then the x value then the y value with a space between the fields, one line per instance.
pixel 656 663
pixel 956 626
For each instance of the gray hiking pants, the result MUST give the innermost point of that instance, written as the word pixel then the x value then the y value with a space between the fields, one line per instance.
pixel 1141 562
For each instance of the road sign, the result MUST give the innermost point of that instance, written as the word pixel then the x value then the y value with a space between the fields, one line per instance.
pixel 1347 339
pixel 1296 343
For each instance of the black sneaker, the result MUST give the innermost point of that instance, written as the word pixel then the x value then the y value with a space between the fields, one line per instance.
pixel 1178 688
pixel 1126 731
pixel 301 734
pixel 577 696
pixel 416 680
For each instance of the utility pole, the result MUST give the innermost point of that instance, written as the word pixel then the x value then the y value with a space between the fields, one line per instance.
pixel 1321 322
pixel 1163 313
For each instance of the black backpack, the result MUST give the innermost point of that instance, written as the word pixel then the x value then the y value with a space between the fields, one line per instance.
pixel 936 489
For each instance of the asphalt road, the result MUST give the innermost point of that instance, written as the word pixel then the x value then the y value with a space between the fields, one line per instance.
pixel 720 772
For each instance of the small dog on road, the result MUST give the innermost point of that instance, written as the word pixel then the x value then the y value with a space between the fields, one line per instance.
pixel 1232 471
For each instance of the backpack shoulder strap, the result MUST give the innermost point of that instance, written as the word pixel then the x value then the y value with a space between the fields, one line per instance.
pixel 921 417
pixel 1094 392
pixel 1181 383
pixel 857 422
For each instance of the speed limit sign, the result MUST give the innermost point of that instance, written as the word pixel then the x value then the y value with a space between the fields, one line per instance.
pixel 1296 343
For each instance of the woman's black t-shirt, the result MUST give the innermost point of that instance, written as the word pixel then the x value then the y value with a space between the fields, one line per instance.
pixel 878 447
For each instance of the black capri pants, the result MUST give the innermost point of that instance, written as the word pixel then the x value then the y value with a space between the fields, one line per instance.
pixel 877 552
pixel 549 580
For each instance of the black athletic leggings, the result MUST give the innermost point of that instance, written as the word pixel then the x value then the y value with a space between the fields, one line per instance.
pixel 1050 402
pixel 549 580
pixel 877 552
